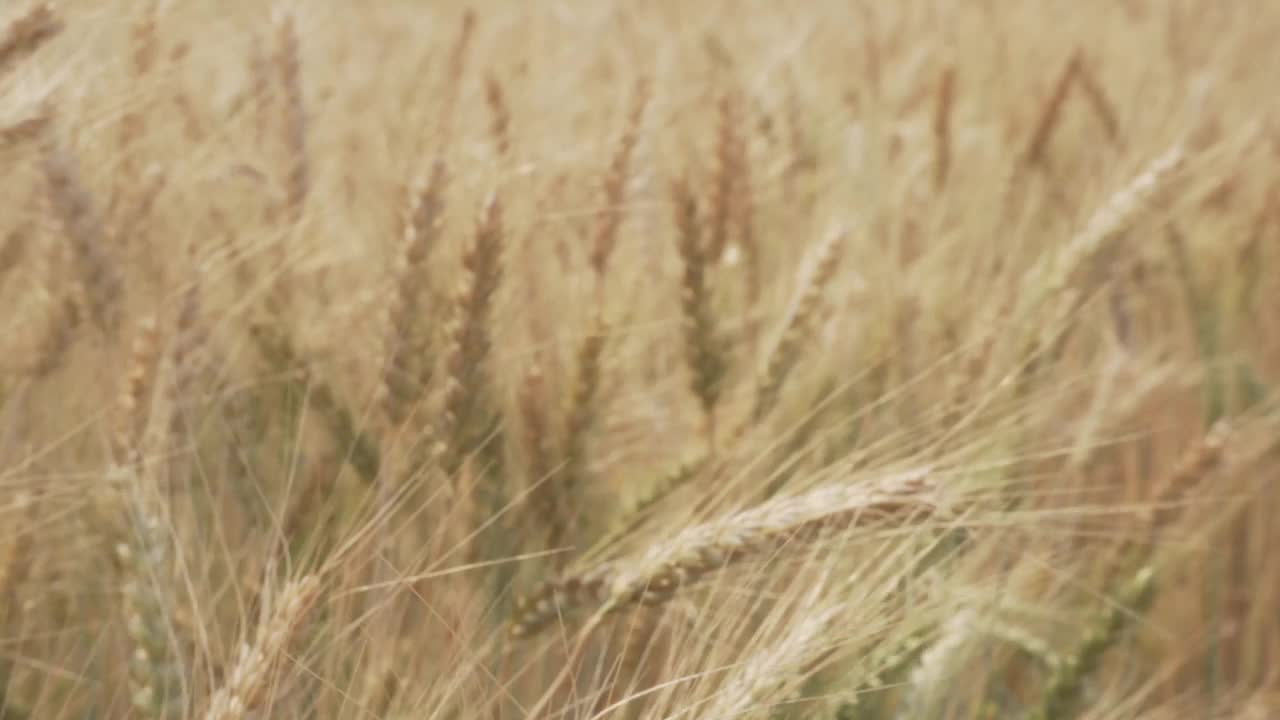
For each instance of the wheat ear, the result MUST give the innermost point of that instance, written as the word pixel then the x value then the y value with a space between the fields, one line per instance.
pixel 804 311
pixel 407 344
pixel 249 679
pixel 469 339
pixel 692 555
pixel 703 348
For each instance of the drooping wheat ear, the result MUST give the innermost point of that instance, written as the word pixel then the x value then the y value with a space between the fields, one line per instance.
pixel 694 554
pixel 155 671
pixel 134 402
pixel 73 206
pixel 249 680
pixel 469 340
pixel 1051 113
pixel 580 417
pixel 289 66
pixel 499 116
pixel 804 310
pixel 27 32
pixel 614 186
pixel 942 112
pixel 726 174
pixel 703 345
pixel 1068 680
pixel 407 344
pixel 1115 216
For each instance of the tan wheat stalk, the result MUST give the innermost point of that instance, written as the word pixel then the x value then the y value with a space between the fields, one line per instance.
pixel 15 570
pixel 130 224
pixel 260 89
pixel 407 344
pixel 614 186
pixel 143 552
pixel 144 38
pixel 659 574
pixel 1051 113
pixel 289 66
pixel 703 344
pixel 942 112
pixel 27 32
pixel 1098 102
pixel 73 206
pixel 453 83
pixel 1171 492
pixel 1110 220
pixel 190 339
pixel 469 341
pixel 499 116
pixel 725 175
pixel 133 404
pixel 579 418
pixel 804 311
pixel 532 400
pixel 249 680
pixel 278 351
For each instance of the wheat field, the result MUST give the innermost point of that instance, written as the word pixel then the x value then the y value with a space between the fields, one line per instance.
pixel 595 360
